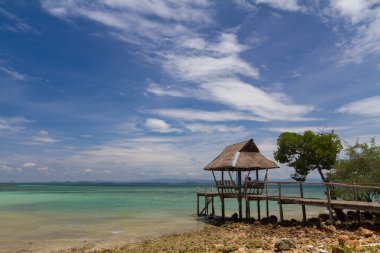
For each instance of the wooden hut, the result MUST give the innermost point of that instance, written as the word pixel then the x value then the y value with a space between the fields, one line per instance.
pixel 240 158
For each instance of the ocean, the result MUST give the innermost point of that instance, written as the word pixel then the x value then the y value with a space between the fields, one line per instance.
pixel 45 217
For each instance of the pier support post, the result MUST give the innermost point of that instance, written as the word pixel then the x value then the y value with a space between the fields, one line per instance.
pixel 303 206
pixel 247 210
pixel 197 201
pixel 212 206
pixel 280 203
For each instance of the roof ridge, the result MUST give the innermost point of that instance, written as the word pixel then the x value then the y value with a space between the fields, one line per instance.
pixel 238 143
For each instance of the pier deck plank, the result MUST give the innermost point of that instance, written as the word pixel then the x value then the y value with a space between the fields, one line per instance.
pixel 341 204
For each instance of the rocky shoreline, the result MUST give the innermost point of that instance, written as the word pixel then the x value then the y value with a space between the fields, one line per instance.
pixel 267 235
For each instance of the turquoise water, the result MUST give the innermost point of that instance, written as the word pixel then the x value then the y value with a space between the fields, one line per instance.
pixel 66 215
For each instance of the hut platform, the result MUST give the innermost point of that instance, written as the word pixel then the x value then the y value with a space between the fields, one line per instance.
pixel 327 202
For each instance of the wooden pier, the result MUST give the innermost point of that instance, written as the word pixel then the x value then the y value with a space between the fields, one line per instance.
pixel 254 191
pixel 237 161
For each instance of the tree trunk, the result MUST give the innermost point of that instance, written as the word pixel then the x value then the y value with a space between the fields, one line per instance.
pixel 339 212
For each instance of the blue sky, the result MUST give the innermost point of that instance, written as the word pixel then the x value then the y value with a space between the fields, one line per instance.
pixel 137 90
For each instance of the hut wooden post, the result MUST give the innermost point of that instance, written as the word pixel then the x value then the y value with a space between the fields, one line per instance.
pixel 239 195
pixel 266 192
pixel 303 206
pixel 222 198
pixel 257 192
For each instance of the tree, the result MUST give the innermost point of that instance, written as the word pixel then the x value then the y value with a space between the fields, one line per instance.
pixel 361 165
pixel 308 152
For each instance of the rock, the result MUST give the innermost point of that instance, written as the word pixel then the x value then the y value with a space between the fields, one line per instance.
pixel 313 220
pixel 328 228
pixel 284 244
pixel 337 250
pixel 254 244
pixel 234 217
pixel 368 216
pixel 323 217
pixel 351 243
pixel 364 232
pixel 228 249
pixel 273 219
pixel 359 248
pixel 352 215
pixel 257 223
pixel 343 239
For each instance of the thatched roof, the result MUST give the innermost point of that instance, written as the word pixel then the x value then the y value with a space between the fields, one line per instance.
pixel 241 156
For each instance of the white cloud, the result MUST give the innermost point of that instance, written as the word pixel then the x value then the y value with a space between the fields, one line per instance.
pixel 245 97
pixel 366 107
pixel 364 19
pixel 207 128
pixel 43 137
pixel 89 170
pixel 11 22
pixel 212 66
pixel 131 17
pixel 305 128
pixel 29 165
pixel 285 5
pixel 202 115
pixel 205 68
pixel 13 124
pixel 161 91
pixel 355 10
pixel 160 126
pixel 14 74
pixel 43 168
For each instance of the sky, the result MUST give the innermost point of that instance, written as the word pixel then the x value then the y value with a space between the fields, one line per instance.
pixel 122 90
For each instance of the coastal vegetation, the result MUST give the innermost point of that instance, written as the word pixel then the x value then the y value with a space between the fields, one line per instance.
pixel 361 165
pixel 319 152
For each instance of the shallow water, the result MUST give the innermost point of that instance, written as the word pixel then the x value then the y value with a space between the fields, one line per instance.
pixel 44 217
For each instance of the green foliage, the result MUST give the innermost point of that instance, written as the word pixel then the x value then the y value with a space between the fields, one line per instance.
pixel 307 152
pixel 362 166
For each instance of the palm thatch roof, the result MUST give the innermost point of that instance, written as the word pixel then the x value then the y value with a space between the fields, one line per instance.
pixel 243 156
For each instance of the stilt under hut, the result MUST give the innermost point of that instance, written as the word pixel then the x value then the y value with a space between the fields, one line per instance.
pixel 238 161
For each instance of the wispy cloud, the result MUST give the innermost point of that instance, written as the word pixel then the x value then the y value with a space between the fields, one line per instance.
pixel 212 64
pixel 288 5
pixel 364 18
pixel 208 128
pixel 131 17
pixel 203 115
pixel 305 128
pixel 13 124
pixel 14 74
pixel 160 126
pixel 29 165
pixel 14 23
pixel 366 107
pixel 43 137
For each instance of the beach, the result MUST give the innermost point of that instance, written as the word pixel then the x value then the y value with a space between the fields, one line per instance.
pixel 88 217
pixel 257 237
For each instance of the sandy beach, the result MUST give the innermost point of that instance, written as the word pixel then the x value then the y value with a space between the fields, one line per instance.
pixel 291 236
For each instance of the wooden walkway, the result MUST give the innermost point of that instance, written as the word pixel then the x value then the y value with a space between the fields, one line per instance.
pixel 328 202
